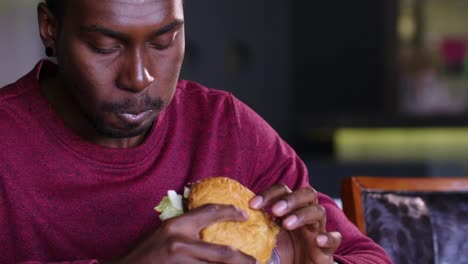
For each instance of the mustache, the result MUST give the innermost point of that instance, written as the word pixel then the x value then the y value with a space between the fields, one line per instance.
pixel 135 105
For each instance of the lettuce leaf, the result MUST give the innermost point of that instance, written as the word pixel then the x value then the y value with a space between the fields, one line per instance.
pixel 170 206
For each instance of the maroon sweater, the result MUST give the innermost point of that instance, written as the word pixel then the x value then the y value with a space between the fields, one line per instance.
pixel 63 199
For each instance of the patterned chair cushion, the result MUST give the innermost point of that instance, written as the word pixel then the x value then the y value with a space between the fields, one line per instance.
pixel 401 225
pixel 449 217
pixel 426 228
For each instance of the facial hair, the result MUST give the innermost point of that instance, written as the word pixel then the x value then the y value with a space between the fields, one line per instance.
pixel 130 105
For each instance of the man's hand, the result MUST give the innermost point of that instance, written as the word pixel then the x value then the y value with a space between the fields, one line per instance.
pixel 177 239
pixel 304 219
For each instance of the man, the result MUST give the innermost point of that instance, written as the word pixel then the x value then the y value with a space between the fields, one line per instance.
pixel 92 144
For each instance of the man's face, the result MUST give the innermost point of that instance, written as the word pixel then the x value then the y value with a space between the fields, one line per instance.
pixel 120 60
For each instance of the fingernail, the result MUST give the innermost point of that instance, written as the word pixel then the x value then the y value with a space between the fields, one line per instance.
pixel 322 240
pixel 279 208
pixel 256 202
pixel 290 221
pixel 244 214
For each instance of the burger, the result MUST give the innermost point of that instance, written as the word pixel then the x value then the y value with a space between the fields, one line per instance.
pixel 255 237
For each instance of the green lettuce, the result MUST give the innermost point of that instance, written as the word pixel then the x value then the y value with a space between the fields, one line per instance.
pixel 170 206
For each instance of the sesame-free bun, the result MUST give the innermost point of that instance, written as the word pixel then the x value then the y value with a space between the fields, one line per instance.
pixel 255 237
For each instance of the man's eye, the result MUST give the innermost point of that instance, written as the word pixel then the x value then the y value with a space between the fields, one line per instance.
pixel 104 51
pixel 164 42
pixel 161 46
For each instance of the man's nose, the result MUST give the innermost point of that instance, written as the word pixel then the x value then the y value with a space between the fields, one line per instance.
pixel 136 73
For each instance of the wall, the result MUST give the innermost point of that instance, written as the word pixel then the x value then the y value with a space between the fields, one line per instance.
pixel 20 46
pixel 244 47
pixel 445 18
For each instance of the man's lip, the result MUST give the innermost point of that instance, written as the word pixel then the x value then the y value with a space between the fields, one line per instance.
pixel 135 117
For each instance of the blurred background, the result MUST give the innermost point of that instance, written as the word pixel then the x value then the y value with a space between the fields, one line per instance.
pixel 356 87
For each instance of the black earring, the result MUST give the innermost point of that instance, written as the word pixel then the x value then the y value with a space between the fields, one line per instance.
pixel 49 52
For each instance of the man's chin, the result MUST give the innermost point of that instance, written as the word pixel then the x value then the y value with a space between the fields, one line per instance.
pixel 127 132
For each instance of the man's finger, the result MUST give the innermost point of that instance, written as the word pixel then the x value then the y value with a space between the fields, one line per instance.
pixel 294 201
pixel 313 217
pixel 329 242
pixel 212 253
pixel 269 196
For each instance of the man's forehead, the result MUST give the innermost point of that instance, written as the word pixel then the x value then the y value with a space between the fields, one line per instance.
pixel 127 1
pixel 129 5
pixel 129 11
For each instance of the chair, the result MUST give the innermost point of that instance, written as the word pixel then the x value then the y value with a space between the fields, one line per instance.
pixel 416 220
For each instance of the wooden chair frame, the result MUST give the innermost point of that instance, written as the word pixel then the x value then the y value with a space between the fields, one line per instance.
pixel 352 188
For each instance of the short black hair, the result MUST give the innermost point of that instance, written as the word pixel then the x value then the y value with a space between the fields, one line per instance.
pixel 56 7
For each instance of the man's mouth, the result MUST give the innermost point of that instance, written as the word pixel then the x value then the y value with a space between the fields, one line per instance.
pixel 135 117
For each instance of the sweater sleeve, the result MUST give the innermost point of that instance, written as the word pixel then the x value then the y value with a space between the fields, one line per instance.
pixel 355 248
pixel 270 160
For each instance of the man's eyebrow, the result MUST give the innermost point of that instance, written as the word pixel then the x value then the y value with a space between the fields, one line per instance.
pixel 167 28
pixel 105 31
pixel 119 35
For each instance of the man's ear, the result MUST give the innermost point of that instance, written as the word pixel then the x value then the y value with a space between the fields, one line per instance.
pixel 48 26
